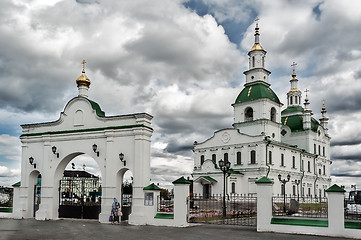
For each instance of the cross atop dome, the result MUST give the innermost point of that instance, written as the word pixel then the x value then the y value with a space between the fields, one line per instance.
pixel 294 69
pixel 83 82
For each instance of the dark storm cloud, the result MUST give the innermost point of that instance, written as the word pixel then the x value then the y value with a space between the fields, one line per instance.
pixel 346 174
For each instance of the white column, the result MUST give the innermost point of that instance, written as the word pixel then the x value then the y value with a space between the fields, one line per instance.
pixel 264 204
pixel 181 192
pixel 336 219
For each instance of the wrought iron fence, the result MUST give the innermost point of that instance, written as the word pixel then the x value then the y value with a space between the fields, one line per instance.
pixel 241 209
pixel 308 207
pixel 352 210
pixel 165 205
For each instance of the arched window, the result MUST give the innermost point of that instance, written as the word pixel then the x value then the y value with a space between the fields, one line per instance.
pixel 319 150
pixel 202 159
pixel 253 61
pixel 293 161
pixel 262 61
pixel 273 114
pixel 294 190
pixel 214 158
pixel 282 159
pixel 253 157
pixel 233 187
pixel 249 114
pixel 324 170
pixel 295 100
pixel 291 100
pixel 225 157
pixel 239 158
pixel 324 152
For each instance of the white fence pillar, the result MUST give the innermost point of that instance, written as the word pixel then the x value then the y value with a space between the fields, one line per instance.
pixel 181 192
pixel 336 218
pixel 264 204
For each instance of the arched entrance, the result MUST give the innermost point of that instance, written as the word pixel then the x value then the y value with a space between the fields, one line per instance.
pixel 125 178
pixel 80 189
pixel 116 143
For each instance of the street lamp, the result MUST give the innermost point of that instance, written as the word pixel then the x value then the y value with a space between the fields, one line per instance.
pixel 284 181
pixel 31 161
pixel 121 158
pixel 95 149
pixel 224 166
pixel 297 182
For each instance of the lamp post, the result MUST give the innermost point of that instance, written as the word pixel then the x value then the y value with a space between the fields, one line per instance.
pixel 224 166
pixel 298 194
pixel 284 181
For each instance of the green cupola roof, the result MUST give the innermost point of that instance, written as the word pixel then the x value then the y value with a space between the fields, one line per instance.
pixel 295 123
pixel 257 91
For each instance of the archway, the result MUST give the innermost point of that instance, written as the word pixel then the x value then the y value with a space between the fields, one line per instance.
pixel 125 191
pixel 80 189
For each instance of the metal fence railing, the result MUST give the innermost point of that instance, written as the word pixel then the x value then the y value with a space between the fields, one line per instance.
pixel 240 209
pixel 307 207
pixel 165 205
pixel 352 210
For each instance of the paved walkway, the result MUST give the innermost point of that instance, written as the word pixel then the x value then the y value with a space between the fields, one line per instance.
pixel 82 229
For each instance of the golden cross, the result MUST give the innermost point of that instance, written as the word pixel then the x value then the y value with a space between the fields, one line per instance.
pixel 294 66
pixel 306 91
pixel 83 62
pixel 256 20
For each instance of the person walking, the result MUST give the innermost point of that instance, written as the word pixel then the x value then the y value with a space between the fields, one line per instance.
pixel 115 211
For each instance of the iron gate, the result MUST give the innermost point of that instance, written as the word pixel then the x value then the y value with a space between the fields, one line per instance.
pixel 240 209
pixel 79 198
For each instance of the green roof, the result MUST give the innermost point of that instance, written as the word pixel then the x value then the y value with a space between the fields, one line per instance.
pixel 263 180
pixel 152 187
pixel 208 178
pixel 231 171
pixel 292 109
pixel 97 108
pixel 181 180
pixel 17 184
pixel 295 122
pixel 335 188
pixel 257 91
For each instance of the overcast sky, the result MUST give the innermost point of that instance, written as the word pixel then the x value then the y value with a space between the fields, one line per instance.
pixel 180 61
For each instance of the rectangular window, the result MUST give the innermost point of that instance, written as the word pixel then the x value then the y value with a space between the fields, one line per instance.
pixel 303 191
pixel 293 161
pixel 253 157
pixel 225 157
pixel 309 191
pixel 314 149
pixel 319 150
pixel 324 152
pixel 270 157
pixel 202 159
pixel 302 167
pixel 148 199
pixel 282 160
pixel 324 170
pixel 233 187
pixel 294 190
pixel 239 158
pixel 308 166
pixel 214 158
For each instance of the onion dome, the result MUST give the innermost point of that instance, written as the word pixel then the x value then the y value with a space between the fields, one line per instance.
pixel 83 80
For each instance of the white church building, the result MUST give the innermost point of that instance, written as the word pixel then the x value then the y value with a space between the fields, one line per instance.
pixel 265 141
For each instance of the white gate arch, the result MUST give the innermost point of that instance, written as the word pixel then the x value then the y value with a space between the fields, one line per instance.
pixel 81 125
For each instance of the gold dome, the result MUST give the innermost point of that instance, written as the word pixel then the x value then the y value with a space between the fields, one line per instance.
pixel 257 46
pixel 83 79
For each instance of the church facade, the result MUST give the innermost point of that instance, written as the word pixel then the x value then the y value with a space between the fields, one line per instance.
pixel 265 141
